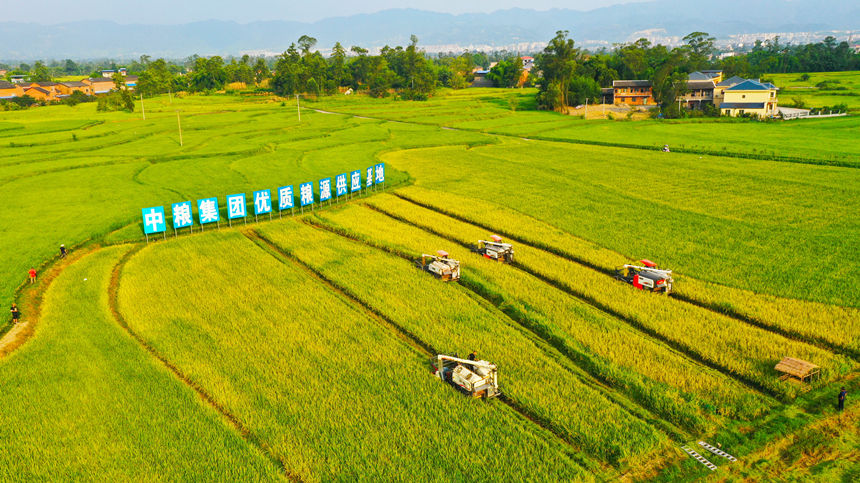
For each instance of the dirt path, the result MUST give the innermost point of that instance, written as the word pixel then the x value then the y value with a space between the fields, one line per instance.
pixel 31 297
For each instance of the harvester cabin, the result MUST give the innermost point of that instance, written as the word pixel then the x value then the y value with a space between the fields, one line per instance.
pixel 797 368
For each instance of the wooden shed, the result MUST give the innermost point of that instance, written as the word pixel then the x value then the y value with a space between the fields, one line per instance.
pixel 802 370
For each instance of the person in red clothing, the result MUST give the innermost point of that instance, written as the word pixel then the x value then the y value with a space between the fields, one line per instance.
pixel 32 274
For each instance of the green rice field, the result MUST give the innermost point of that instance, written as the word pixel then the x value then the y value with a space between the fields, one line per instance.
pixel 300 346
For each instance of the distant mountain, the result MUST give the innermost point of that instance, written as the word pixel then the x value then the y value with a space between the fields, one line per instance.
pixel 663 20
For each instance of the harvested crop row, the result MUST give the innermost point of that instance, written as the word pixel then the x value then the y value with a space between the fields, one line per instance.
pixel 447 318
pixel 333 393
pixel 660 378
pixel 831 324
pixel 739 348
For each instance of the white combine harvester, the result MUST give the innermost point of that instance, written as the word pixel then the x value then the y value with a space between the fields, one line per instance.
pixel 441 266
pixel 646 276
pixel 476 378
pixel 496 249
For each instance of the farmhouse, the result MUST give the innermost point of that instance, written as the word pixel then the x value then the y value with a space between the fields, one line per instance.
pixel 131 82
pixel 632 92
pixel 528 63
pixel 750 97
pixel 481 78
pixel 44 91
pixel 39 93
pixel 698 93
pixel 67 88
pixel 9 90
pixel 607 95
pixel 721 86
pixel 100 85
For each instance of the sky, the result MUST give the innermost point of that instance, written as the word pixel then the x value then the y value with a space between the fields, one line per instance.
pixel 183 11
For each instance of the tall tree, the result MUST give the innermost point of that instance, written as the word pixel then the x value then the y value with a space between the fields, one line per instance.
pixel 701 48
pixel 557 64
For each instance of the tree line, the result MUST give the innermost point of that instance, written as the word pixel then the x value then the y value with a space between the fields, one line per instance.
pixel 570 75
pixel 565 75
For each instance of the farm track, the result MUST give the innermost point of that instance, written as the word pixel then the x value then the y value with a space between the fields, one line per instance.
pixel 31 296
pixel 416 343
pixel 235 422
pixel 811 340
pixel 681 349
pixel 539 137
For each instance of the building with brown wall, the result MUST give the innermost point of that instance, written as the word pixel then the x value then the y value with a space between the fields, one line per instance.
pixel 39 93
pixel 67 88
pixel 632 92
pixel 44 91
pixel 9 90
pixel 100 85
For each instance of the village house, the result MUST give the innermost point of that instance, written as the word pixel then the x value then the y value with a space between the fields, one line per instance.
pixel 528 63
pixel 39 93
pixel 481 79
pixel 43 91
pixel 9 90
pixel 607 95
pixel 131 82
pixel 100 85
pixel 714 75
pixel 699 92
pixel 750 97
pixel 632 92
pixel 67 88
pixel 700 88
pixel 721 86
pixel 18 79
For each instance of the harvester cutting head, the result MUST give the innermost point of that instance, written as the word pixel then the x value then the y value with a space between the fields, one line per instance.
pixel 646 276
pixel 441 266
pixel 495 249
pixel 476 378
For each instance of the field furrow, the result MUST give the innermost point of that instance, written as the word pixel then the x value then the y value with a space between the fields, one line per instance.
pixel 450 320
pixel 745 352
pixel 831 326
pixel 311 375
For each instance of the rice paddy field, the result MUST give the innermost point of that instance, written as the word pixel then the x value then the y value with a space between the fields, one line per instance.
pixel 300 346
pixel 821 89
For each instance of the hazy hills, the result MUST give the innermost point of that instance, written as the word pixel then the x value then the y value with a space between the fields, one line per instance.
pixel 436 31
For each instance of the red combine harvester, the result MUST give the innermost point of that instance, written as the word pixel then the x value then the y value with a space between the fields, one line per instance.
pixel 646 276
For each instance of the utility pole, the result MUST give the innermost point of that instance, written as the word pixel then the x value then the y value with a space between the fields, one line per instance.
pixel 179 123
pixel 142 110
pixel 298 108
pixel 586 108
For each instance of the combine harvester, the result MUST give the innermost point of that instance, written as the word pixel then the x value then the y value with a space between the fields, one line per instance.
pixel 441 266
pixel 479 379
pixel 646 276
pixel 496 249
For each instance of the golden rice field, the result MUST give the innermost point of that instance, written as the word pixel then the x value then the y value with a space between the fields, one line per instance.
pixel 300 346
